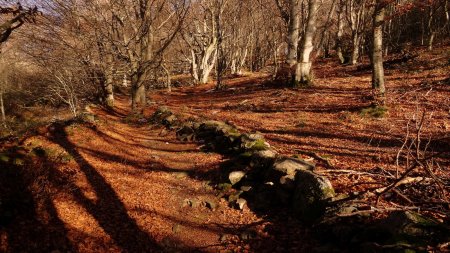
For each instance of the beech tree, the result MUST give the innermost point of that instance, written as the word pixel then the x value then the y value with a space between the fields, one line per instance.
pixel 18 16
pixel 303 72
pixel 144 29
pixel 201 39
pixel 377 50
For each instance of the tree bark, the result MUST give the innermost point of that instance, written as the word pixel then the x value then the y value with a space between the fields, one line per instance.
pixel 2 109
pixel 138 96
pixel 293 32
pixel 340 32
pixel 303 73
pixel 378 86
pixel 109 91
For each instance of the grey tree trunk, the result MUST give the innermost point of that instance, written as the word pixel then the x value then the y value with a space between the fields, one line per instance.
pixel 168 77
pixel 303 72
pixel 109 82
pixel 293 32
pixel 109 89
pixel 378 87
pixel 340 32
pixel 138 96
pixel 355 48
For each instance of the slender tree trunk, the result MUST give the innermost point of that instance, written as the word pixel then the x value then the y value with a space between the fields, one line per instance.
pixel 2 109
pixel 340 32
pixel 293 32
pixel 220 54
pixel 355 48
pixel 377 53
pixel 168 78
pixel 431 32
pixel 303 73
pixel 109 89
pixel 323 43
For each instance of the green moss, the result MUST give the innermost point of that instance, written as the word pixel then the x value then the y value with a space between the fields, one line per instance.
pixel 224 186
pixel 259 145
pixel 233 132
pixel 246 154
pixel 4 158
pixel 329 192
pixel 374 112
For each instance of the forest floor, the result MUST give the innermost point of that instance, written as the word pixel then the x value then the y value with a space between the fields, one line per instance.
pixel 123 184
pixel 334 118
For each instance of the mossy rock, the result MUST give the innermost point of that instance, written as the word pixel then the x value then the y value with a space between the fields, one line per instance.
pixel 253 142
pixel 4 158
pixel 290 166
pixel 410 226
pixel 311 195
pixel 87 117
pixel 160 114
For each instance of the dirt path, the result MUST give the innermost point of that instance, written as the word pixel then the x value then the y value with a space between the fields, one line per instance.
pixel 121 187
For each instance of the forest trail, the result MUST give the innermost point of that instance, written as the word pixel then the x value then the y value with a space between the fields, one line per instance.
pixel 124 187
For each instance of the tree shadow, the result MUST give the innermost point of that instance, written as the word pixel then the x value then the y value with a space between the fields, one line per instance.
pixel 108 209
pixel 29 220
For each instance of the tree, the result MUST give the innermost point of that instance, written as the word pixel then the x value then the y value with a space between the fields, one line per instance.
pixel 143 30
pixel 200 35
pixel 303 72
pixel 377 51
pixel 19 16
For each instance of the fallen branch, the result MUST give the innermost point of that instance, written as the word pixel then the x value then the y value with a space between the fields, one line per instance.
pixel 317 157
pixel 354 172
pixel 402 181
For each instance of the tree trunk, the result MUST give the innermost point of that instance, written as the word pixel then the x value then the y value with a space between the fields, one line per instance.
pixel 138 95
pixel 303 73
pixel 293 32
pixel 109 90
pixel 168 78
pixel 355 48
pixel 2 109
pixel 340 32
pixel 377 53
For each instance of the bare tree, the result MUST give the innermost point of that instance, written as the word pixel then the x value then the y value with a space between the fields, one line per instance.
pixel 19 14
pixel 303 72
pixel 144 29
pixel 377 50
pixel 201 39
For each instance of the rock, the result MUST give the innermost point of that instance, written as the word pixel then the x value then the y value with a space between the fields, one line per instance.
pixel 170 121
pixel 186 133
pixel 241 203
pixel 253 142
pixel 290 166
pixel 160 114
pixel 236 176
pixel 246 188
pixel 218 135
pixel 311 195
pixel 263 159
pixel 87 117
pixel 4 158
pixel 287 182
pixel 412 226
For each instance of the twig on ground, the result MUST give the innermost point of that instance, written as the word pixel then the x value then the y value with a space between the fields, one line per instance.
pixel 316 156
